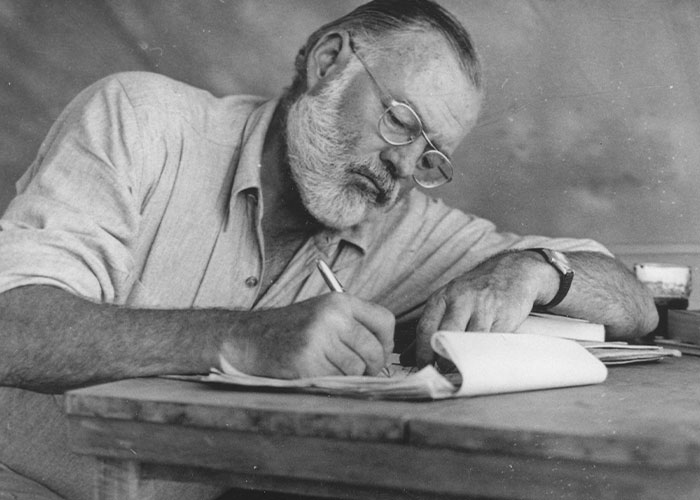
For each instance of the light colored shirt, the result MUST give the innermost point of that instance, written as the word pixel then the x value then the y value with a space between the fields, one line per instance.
pixel 146 193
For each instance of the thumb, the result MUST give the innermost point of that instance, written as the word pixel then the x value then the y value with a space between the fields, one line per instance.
pixel 428 324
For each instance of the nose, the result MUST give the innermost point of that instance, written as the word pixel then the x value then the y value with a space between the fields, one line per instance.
pixel 404 159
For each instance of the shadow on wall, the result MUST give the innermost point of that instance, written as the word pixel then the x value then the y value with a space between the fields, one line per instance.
pixel 590 125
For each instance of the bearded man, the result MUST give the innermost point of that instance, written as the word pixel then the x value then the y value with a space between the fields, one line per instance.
pixel 161 228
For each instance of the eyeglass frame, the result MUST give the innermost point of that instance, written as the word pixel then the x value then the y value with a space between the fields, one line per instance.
pixel 388 101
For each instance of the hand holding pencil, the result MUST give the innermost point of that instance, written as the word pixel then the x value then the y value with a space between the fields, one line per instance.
pixel 331 334
pixel 335 286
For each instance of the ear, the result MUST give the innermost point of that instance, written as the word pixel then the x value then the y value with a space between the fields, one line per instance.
pixel 330 55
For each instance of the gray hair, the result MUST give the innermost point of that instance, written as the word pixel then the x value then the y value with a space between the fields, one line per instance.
pixel 375 22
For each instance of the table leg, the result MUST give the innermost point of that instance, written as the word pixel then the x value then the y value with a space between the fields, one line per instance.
pixel 121 480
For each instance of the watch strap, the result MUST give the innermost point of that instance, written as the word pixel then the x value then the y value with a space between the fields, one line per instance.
pixel 566 276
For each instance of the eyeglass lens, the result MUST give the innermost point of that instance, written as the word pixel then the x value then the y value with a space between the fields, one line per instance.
pixel 434 169
pixel 399 125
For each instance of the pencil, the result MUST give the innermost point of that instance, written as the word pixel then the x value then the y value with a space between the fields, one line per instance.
pixel 329 277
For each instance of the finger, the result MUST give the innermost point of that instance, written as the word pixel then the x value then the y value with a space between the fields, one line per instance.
pixel 457 315
pixel 323 355
pixel 508 323
pixel 346 362
pixel 444 365
pixel 480 321
pixel 427 325
pixel 377 320
pixel 366 347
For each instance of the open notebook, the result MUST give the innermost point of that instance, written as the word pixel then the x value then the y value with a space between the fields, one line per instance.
pixel 486 363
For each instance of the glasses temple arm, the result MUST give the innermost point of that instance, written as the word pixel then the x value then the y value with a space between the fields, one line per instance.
pixel 383 94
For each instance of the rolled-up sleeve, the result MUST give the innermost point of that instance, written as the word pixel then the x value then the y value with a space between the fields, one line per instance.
pixel 75 218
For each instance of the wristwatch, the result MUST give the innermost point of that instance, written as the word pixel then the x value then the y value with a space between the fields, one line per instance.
pixel 566 275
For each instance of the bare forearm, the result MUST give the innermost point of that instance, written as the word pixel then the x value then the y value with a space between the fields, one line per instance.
pixel 498 294
pixel 53 340
pixel 606 292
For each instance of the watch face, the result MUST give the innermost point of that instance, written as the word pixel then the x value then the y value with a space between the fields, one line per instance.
pixel 559 261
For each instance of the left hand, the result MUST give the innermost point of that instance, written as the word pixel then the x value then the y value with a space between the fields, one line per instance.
pixel 495 296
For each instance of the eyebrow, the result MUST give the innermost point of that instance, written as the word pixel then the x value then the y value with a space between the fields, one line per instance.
pixel 429 131
pixel 436 138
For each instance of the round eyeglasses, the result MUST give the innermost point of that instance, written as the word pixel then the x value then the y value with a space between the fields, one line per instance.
pixel 400 125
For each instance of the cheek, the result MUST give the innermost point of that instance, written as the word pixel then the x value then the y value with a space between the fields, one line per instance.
pixel 360 120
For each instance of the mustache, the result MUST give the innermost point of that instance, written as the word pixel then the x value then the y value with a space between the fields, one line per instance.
pixel 381 174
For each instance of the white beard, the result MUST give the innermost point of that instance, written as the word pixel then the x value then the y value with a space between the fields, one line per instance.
pixel 327 175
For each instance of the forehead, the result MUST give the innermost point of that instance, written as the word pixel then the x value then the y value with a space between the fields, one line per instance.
pixel 426 74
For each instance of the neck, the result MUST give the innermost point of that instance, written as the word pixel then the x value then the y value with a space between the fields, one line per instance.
pixel 285 213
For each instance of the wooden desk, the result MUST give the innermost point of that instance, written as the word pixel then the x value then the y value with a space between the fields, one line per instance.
pixel 635 436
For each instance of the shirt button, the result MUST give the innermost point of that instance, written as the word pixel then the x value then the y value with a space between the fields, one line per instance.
pixel 251 282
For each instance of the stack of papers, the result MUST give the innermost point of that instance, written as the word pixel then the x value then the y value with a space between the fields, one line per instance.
pixel 621 353
pixel 404 383
pixel 487 363
pixel 684 347
pixel 547 351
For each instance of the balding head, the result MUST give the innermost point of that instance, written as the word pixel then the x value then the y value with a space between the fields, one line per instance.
pixel 381 25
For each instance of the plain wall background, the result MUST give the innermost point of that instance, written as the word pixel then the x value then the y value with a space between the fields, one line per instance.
pixel 591 125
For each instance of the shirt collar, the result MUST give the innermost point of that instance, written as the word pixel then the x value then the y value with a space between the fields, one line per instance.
pixel 368 232
pixel 250 157
pixel 359 236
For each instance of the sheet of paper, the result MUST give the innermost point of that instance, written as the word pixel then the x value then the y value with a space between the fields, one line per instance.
pixel 562 326
pixel 493 363
pixel 405 383
pixel 622 353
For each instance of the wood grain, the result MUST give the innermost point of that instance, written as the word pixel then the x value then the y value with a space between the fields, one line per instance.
pixel 643 414
pixel 635 436
pixel 291 463
pixel 121 480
